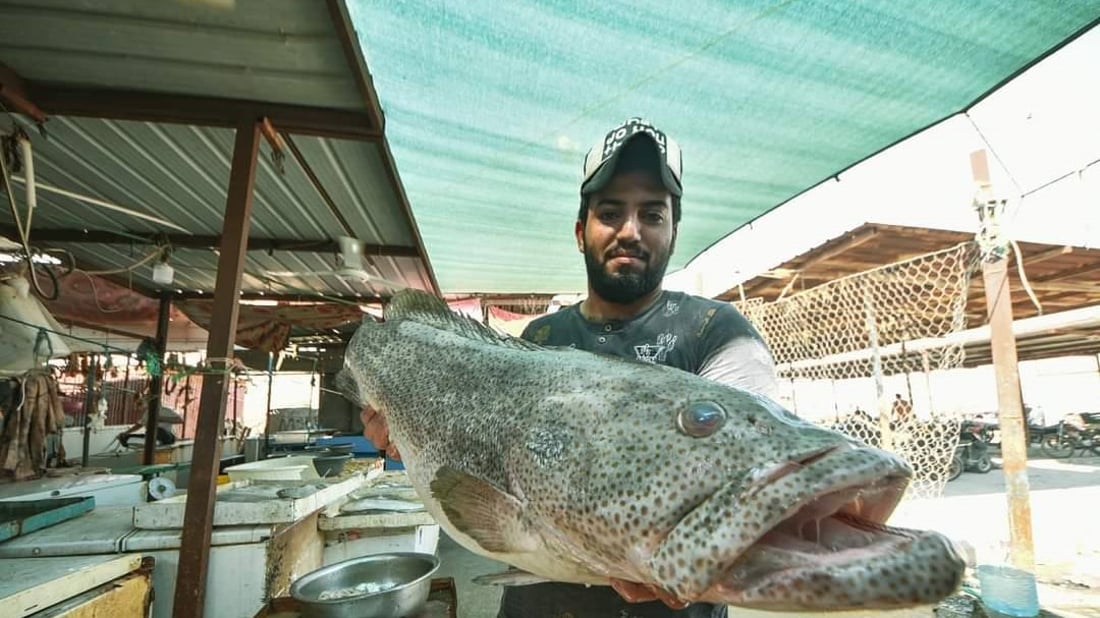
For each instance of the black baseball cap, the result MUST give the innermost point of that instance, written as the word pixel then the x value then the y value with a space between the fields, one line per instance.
pixel 602 159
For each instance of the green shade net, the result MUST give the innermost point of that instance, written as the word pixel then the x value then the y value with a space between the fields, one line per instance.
pixel 490 106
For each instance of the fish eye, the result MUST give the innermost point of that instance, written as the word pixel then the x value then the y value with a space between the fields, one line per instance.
pixel 700 419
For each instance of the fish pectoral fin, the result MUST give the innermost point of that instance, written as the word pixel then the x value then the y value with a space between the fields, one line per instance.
pixel 634 592
pixel 489 515
pixel 511 577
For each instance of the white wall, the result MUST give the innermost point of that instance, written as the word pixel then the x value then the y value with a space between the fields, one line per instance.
pixel 1059 386
pixel 289 390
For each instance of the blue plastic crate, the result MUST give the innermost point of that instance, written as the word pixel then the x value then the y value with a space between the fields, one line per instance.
pixel 361 447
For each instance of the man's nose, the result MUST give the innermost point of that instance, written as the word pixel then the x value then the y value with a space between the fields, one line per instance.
pixel 628 231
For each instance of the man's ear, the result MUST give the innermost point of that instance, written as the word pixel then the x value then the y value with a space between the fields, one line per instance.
pixel 578 231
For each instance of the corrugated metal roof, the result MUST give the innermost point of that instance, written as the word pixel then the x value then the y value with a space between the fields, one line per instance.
pixel 265 50
pixel 100 61
pixel 180 173
pixel 491 106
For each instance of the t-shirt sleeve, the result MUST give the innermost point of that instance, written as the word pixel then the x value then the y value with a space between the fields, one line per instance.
pixel 735 354
pixel 528 331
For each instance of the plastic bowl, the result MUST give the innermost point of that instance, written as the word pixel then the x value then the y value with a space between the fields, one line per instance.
pixel 406 579
pixel 330 465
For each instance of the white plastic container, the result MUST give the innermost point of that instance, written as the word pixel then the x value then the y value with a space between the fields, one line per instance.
pixel 294 468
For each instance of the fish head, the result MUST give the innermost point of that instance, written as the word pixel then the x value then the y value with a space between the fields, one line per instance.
pixel 717 494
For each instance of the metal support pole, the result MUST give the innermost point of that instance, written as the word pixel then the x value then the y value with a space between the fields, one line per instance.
pixel 836 404
pixel 1002 342
pixel 927 366
pixel 876 370
pixel 156 382
pixel 1010 413
pixel 89 408
pixel 267 417
pixel 199 514
pixel 908 378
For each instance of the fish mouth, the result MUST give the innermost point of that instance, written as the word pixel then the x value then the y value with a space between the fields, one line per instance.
pixel 811 535
pixel 834 550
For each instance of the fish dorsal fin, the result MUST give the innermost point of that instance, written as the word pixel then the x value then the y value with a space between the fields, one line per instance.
pixel 424 308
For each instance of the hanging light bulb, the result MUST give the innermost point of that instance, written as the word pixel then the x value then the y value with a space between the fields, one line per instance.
pixel 162 272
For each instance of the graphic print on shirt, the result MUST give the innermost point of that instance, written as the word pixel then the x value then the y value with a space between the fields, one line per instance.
pixel 656 352
pixel 671 308
pixel 542 334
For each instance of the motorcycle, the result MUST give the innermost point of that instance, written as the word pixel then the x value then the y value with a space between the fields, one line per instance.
pixel 972 451
pixel 1073 435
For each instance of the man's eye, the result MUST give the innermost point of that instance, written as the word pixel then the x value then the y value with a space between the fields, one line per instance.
pixel 654 218
pixel 607 216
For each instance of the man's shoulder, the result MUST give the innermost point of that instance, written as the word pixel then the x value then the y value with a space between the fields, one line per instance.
pixel 539 329
pixel 685 299
pixel 710 320
pixel 706 308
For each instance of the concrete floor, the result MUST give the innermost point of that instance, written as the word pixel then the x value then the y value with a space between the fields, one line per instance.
pixel 474 600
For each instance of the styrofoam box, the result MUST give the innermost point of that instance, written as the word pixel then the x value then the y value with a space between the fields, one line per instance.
pixel 294 468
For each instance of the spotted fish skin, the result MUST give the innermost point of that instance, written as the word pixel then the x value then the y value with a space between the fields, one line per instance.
pixel 576 467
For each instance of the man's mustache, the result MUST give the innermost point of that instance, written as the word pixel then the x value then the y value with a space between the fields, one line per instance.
pixel 630 253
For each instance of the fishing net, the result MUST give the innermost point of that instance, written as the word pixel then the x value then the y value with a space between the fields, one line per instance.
pixel 859 355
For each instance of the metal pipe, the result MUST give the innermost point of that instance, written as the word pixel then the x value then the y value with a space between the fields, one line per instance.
pixel 101 203
pixel 28 173
pixel 1071 319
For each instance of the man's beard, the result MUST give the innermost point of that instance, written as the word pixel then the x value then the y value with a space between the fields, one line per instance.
pixel 625 287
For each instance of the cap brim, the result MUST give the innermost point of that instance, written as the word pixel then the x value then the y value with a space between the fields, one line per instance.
pixel 606 171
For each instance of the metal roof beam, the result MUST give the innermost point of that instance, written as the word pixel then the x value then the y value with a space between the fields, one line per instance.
pixel 188 241
pixel 349 42
pixel 13 94
pixel 287 297
pixel 318 186
pixel 204 111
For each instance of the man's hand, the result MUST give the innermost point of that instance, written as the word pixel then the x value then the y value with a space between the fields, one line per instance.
pixel 633 592
pixel 375 430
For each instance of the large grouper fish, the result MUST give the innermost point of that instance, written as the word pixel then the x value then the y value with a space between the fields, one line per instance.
pixel 577 467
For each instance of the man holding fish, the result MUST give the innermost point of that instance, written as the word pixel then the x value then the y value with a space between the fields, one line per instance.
pixel 627 489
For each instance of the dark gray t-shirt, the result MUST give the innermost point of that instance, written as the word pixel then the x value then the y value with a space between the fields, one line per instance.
pixel 703 336
pixel 699 335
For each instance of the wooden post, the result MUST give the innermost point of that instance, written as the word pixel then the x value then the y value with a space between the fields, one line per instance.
pixel 156 382
pixel 1002 343
pixel 199 514
pixel 1009 413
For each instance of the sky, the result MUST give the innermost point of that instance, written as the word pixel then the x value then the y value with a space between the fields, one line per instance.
pixel 1040 126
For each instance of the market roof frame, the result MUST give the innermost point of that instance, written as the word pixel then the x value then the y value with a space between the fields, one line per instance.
pixel 136 104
